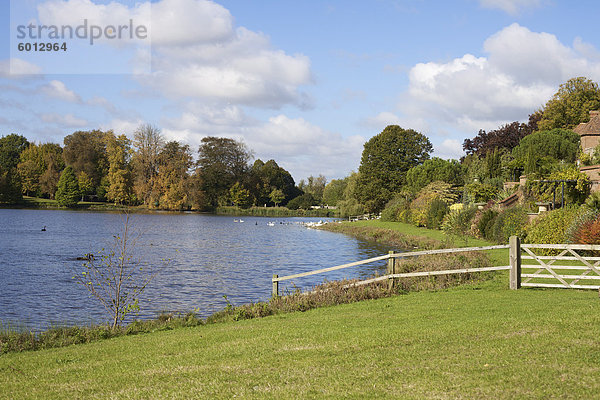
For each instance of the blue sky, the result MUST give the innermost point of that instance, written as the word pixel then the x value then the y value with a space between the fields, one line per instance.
pixel 303 82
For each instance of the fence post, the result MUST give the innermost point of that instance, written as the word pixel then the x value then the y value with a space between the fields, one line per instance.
pixel 275 286
pixel 391 268
pixel 515 262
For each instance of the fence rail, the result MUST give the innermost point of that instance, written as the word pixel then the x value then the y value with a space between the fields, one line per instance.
pixel 361 217
pixel 391 267
pixel 544 266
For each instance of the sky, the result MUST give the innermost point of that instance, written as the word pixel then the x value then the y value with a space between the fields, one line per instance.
pixel 305 83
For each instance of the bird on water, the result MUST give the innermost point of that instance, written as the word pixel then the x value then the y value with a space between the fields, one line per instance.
pixel 44 228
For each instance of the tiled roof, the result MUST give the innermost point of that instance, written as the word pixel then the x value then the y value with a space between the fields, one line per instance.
pixel 589 128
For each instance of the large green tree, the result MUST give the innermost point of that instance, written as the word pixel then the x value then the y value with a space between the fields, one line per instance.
pixel 222 162
pixel 571 104
pixel 315 185
pixel 349 204
pixel 54 164
pixel 118 149
pixel 268 176
pixel 386 159
pixel 86 151
pixel 148 142
pixel 435 169
pixel 172 181
pixel 39 169
pixel 31 167
pixel 540 150
pixel 11 147
pixel 68 193
pixel 334 191
pixel 240 196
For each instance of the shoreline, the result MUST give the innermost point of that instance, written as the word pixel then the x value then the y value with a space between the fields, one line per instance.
pixel 386 236
pixel 32 203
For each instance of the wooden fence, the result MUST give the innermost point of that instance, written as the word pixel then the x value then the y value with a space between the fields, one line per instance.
pixel 392 258
pixel 545 269
pixel 579 264
pixel 361 217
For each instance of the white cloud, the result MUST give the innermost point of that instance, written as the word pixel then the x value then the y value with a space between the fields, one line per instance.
pixel 306 149
pixel 168 22
pixel 68 120
pixel 197 52
pixel 512 7
pixel 75 13
pixel 188 22
pixel 528 56
pixel 99 101
pixel 59 90
pixel 449 148
pixel 122 126
pixel 241 70
pixel 302 148
pixel 15 68
pixel 381 120
pixel 520 73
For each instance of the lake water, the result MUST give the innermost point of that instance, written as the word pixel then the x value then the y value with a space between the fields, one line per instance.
pixel 210 256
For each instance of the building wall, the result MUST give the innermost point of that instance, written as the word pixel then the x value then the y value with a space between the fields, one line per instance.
pixel 589 142
pixel 593 172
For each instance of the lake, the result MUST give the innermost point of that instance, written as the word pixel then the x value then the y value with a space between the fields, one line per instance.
pixel 209 257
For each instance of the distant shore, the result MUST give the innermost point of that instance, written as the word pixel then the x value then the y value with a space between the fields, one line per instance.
pixel 48 204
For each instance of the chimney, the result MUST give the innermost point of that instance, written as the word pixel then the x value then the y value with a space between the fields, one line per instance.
pixel 594 113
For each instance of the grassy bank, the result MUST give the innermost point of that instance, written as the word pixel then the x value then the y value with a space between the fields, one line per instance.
pixel 409 237
pixel 480 341
pixel 48 204
pixel 276 212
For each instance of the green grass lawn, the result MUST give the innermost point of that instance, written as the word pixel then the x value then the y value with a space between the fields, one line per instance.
pixel 36 202
pixel 481 341
pixel 412 230
pixel 498 257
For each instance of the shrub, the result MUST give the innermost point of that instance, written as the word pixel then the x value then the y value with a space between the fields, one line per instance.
pixel 486 222
pixel 552 226
pixel 405 216
pixel 583 229
pixel 18 340
pixel 509 222
pixel 593 202
pixel 436 213
pixel 588 232
pixel 394 207
pixel 350 207
pixel 304 201
pixel 574 192
pixel 481 193
pixel 458 222
pixel 419 207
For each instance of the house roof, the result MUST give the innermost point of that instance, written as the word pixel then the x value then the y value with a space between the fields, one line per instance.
pixel 590 128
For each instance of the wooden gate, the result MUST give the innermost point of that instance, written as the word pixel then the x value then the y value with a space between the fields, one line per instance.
pixel 571 266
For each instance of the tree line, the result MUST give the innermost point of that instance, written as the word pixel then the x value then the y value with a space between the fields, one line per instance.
pixel 396 165
pixel 148 170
